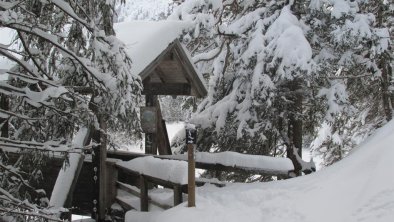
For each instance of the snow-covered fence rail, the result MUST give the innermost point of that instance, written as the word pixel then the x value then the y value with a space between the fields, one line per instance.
pixel 232 161
pixel 226 161
pixel 167 173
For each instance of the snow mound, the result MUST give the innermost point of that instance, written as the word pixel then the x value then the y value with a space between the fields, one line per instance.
pixel 360 188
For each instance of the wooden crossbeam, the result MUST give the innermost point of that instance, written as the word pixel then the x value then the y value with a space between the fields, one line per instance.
pixel 167 89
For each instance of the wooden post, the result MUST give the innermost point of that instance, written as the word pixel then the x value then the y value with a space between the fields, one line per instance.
pixel 191 138
pixel 151 138
pixel 191 186
pixel 99 157
pixel 95 180
pixel 144 194
pixel 177 195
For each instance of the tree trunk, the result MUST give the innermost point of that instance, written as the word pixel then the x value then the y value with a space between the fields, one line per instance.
pixel 295 125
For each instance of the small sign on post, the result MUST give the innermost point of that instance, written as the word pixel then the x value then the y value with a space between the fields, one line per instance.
pixel 191 136
pixel 191 139
pixel 149 119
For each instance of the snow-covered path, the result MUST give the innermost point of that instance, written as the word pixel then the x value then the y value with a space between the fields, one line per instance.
pixel 356 189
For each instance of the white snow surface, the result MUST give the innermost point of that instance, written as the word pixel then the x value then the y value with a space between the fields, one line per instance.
pixel 234 159
pixel 170 170
pixel 145 40
pixel 359 188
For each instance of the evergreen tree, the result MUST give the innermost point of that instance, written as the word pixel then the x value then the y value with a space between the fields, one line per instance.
pixel 69 72
pixel 351 41
pixel 284 75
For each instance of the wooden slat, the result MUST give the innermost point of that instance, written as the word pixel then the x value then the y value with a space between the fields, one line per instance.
pixel 158 181
pixel 127 188
pixel 178 199
pixel 124 205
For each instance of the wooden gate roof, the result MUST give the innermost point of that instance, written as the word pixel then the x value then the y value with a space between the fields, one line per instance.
pixel 162 62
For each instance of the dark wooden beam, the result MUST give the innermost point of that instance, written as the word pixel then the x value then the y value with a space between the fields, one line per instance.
pixel 144 193
pixel 167 89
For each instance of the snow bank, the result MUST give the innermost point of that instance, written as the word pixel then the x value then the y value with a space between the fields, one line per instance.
pixel 360 188
pixel 170 170
pixel 145 40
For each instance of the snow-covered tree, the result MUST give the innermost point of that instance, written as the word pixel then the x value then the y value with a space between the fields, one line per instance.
pixel 259 64
pixel 69 72
pixel 279 71
pixel 351 42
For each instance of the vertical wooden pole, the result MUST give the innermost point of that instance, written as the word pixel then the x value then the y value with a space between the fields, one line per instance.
pixel 144 194
pixel 103 168
pixel 151 138
pixel 99 172
pixel 191 187
pixel 95 181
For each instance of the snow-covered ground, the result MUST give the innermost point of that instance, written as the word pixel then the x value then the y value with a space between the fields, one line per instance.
pixel 360 188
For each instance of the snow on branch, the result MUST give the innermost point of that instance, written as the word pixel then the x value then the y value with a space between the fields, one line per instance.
pixel 24 208
pixel 65 7
pixel 50 146
pixel 36 31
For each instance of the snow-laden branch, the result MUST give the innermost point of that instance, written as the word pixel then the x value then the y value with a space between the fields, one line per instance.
pixel 20 62
pixel 30 79
pixel 208 56
pixel 16 174
pixel 30 213
pixel 8 5
pixel 25 28
pixel 65 7
pixel 27 49
pixel 50 146
pixel 6 114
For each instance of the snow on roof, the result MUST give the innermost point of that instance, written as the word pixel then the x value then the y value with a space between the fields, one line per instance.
pixel 145 40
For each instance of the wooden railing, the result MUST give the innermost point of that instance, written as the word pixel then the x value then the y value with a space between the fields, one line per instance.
pixel 144 181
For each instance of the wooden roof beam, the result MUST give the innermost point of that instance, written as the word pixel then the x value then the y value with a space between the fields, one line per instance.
pixel 167 89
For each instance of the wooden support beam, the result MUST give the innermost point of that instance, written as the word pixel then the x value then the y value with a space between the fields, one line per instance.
pixel 151 138
pixel 144 193
pixel 191 187
pixel 167 89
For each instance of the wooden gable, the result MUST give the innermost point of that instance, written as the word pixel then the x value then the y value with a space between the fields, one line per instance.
pixel 172 73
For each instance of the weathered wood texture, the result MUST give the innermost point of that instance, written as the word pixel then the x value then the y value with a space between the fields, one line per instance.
pixel 144 181
pixel 191 185
pixel 173 66
pixel 177 89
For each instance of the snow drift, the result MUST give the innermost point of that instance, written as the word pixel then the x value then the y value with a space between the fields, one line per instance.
pixel 359 188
